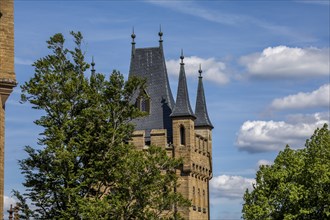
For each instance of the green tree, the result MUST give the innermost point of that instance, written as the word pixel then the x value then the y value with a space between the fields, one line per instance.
pixel 296 186
pixel 84 167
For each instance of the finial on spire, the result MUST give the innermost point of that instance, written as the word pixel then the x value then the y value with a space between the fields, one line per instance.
pixel 160 33
pixel 93 64
pixel 181 57
pixel 133 35
pixel 133 43
pixel 200 70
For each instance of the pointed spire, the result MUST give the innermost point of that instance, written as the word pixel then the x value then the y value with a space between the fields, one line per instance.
pixel 182 106
pixel 93 64
pixel 133 42
pixel 202 118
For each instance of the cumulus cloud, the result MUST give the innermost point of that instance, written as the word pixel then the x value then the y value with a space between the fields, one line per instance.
pixel 232 187
pixel 213 70
pixel 263 136
pixel 283 61
pixel 301 100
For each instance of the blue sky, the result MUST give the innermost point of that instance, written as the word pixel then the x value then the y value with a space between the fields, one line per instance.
pixel 265 67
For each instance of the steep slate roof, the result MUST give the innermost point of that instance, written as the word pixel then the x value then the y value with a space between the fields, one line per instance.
pixel 182 106
pixel 202 118
pixel 150 64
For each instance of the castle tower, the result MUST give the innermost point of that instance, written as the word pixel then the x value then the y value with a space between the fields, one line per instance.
pixel 203 130
pixel 183 137
pixel 174 126
pixel 7 77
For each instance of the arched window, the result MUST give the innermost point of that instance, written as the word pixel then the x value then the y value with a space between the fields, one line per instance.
pixel 182 135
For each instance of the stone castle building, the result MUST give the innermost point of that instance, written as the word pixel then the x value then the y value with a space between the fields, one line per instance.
pixel 7 77
pixel 170 124
pixel 173 125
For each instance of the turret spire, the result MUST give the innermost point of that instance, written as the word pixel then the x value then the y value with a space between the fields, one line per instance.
pixel 202 118
pixel 182 106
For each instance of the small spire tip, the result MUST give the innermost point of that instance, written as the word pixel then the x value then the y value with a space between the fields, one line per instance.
pixel 181 57
pixel 200 70
pixel 133 34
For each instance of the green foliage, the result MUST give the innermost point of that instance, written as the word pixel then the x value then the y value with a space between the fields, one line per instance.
pixel 296 186
pixel 83 167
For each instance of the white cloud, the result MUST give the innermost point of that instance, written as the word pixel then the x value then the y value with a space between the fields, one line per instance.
pixel 21 61
pixel 232 187
pixel 213 70
pixel 7 202
pixel 283 61
pixel 308 118
pixel 263 136
pixel 264 162
pixel 301 100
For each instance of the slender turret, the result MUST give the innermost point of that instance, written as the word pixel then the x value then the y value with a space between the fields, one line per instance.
pixel 182 105
pixel 202 118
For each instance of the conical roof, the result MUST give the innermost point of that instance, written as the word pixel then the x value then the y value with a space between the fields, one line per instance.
pixel 202 118
pixel 182 106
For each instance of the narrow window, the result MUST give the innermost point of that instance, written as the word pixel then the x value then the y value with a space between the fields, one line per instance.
pixel 194 199
pixel 143 105
pixel 205 202
pixel 182 136
pixel 199 200
pixel 203 205
pixel 143 102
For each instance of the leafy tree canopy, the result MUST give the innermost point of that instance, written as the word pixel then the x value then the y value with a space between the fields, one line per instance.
pixel 84 167
pixel 296 186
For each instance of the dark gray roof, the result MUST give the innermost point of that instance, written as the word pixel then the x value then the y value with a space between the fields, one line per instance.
pixel 202 118
pixel 182 106
pixel 150 64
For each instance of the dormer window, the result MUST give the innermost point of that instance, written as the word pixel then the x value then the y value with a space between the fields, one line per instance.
pixel 143 102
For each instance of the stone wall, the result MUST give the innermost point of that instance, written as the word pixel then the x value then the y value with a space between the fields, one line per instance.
pixel 7 76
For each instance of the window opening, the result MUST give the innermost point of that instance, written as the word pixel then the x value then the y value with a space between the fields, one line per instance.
pixel 143 102
pixel 182 136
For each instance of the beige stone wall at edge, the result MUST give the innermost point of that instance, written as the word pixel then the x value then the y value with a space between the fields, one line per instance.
pixel 7 77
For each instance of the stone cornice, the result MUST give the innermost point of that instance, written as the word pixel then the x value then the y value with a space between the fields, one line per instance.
pixel 6 87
